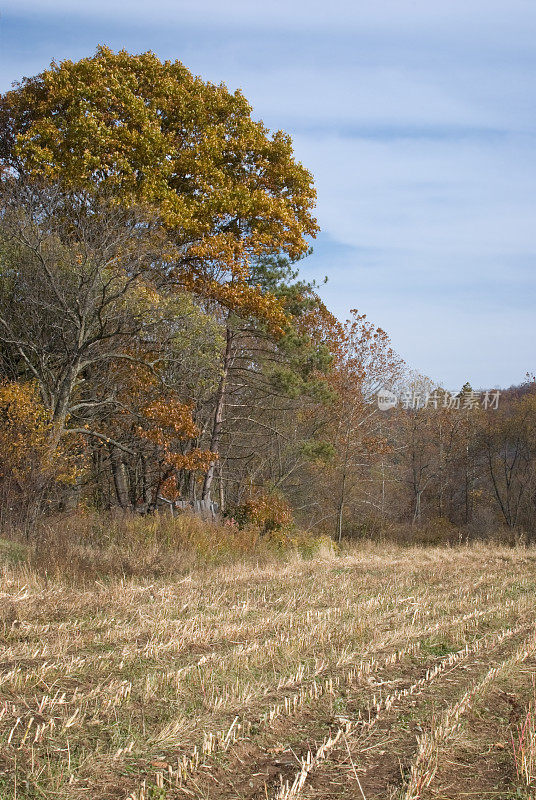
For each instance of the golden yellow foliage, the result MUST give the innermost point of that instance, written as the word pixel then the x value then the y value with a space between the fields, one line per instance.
pixel 26 455
pixel 149 133
pixel 266 510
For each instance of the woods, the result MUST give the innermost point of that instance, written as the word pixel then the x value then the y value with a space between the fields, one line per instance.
pixel 159 344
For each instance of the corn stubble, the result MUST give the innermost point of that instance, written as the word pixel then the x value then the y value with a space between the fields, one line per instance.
pixel 137 688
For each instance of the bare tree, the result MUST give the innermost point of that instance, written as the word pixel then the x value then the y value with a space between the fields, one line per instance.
pixel 71 293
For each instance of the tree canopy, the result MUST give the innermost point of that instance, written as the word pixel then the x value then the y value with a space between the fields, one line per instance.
pixel 149 133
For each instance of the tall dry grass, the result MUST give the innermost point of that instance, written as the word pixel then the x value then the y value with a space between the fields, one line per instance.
pixel 90 545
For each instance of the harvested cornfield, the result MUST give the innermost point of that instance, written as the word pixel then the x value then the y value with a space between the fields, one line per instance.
pixel 379 673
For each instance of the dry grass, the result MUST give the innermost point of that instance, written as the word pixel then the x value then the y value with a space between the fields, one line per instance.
pixel 87 546
pixel 524 744
pixel 252 679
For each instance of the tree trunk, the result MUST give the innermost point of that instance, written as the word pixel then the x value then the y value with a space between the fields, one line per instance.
pixel 221 487
pixel 61 404
pixel 341 508
pixel 441 470
pixel 120 477
pixel 417 512
pixel 343 483
pixel 217 425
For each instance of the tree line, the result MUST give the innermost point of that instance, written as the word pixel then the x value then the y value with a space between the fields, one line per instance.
pixel 158 344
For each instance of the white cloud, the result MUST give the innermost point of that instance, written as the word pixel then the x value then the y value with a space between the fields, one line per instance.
pixel 417 121
pixel 428 197
pixel 363 94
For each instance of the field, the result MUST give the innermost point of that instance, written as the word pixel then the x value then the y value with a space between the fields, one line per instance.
pixel 380 673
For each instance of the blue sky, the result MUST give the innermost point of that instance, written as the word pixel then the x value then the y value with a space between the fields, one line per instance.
pixel 418 121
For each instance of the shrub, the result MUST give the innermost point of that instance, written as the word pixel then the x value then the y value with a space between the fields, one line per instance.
pixel 433 532
pixel 267 511
pixel 302 542
pixel 368 528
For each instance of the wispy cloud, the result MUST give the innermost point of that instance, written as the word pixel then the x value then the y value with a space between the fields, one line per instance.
pixel 417 120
